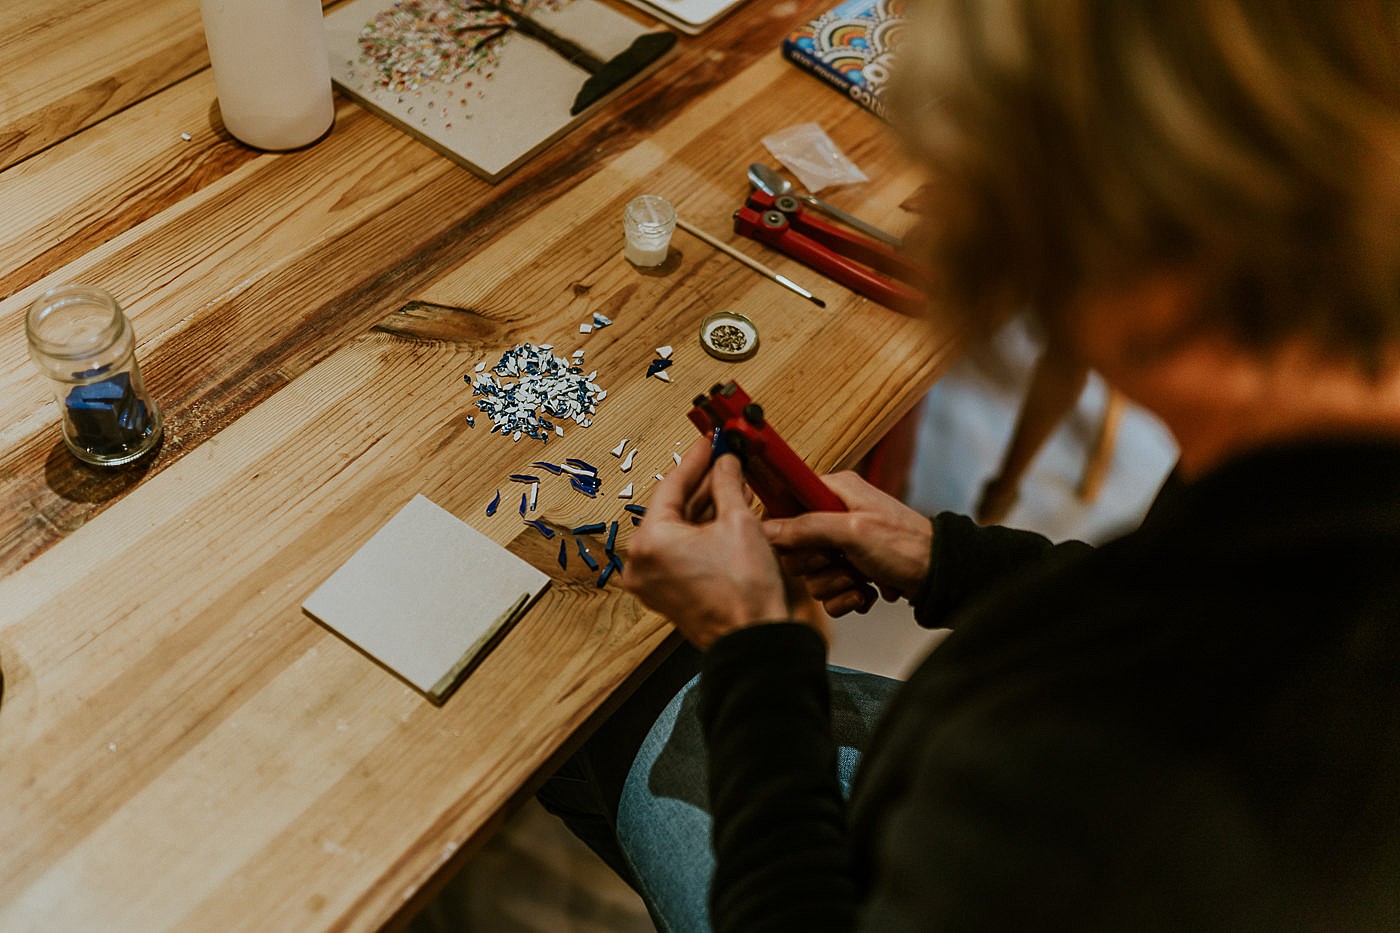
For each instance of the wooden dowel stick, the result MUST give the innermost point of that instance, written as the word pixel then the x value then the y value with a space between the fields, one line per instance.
pixel 753 264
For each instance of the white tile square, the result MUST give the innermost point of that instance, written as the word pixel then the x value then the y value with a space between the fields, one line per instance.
pixel 425 595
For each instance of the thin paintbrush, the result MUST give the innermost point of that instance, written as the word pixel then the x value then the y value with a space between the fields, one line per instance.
pixel 753 264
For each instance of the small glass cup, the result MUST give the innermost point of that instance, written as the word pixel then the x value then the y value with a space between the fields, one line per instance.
pixel 649 222
pixel 80 339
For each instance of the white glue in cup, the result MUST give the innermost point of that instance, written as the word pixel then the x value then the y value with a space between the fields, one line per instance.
pixel 649 221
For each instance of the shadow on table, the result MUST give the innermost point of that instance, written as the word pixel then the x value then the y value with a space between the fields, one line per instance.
pixel 75 481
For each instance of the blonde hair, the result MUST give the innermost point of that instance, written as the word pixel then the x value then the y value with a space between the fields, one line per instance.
pixel 1075 144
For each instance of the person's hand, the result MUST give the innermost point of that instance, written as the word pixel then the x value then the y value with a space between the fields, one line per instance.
pixel 880 536
pixel 709 576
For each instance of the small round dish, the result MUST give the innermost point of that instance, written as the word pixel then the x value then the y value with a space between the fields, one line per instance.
pixel 728 335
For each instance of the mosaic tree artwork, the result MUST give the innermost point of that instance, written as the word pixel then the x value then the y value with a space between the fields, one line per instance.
pixel 420 40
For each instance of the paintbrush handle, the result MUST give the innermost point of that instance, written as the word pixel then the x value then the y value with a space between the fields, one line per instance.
pixel 725 248
pixel 753 264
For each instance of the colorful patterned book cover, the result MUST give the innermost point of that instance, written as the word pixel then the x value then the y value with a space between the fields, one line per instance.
pixel 852 48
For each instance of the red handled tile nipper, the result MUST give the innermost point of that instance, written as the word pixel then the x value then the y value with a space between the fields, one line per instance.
pixel 778 476
pixel 859 262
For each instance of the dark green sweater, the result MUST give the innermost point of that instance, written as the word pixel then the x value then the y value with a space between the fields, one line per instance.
pixel 1195 727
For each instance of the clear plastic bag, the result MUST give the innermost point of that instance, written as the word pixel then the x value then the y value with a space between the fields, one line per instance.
pixel 807 152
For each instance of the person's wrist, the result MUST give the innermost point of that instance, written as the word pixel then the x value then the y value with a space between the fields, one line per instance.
pixel 720 625
pixel 774 608
pixel 778 622
pixel 919 557
pixel 754 613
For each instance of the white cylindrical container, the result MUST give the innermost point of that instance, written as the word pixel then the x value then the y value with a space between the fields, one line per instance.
pixel 271 71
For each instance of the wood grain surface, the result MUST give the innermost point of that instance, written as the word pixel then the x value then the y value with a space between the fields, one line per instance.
pixel 183 747
pixel 65 66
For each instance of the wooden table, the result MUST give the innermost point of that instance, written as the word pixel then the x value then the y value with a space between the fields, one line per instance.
pixel 181 747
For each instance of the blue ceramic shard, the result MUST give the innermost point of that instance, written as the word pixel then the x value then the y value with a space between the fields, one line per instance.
pixel 612 537
pixel 524 503
pixel 581 465
pixel 107 392
pixel 107 413
pixel 594 528
pixel 603 577
pixel 551 467
pixel 587 557
pixel 635 509
pixel 541 385
pixel 564 553
pixel 491 508
pixel 541 527
pixel 523 478
pixel 719 446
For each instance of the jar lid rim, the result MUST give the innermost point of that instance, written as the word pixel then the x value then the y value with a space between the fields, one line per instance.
pixel 56 298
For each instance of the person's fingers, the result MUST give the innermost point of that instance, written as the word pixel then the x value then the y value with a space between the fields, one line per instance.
pixel 810 530
pixel 843 604
pixel 802 563
pixel 805 562
pixel 699 508
pixel 846 603
pixel 826 585
pixel 854 490
pixel 802 606
pixel 727 486
pixel 669 498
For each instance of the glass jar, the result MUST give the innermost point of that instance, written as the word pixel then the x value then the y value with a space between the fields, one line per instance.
pixel 81 340
pixel 648 221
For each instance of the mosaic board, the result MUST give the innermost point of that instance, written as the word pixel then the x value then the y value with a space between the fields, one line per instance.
pixel 488 84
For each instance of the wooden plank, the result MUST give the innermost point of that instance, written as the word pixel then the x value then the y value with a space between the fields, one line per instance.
pixel 67 65
pixel 111 178
pixel 240 270
pixel 190 749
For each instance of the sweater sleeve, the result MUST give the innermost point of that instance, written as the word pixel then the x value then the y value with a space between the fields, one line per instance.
pixel 781 849
pixel 967 559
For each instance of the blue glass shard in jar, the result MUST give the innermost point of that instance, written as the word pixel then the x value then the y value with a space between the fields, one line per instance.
pixel 82 342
